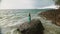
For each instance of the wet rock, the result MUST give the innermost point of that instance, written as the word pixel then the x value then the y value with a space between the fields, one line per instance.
pixel 36 27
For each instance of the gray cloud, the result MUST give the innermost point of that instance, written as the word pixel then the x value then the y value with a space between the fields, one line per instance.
pixel 25 4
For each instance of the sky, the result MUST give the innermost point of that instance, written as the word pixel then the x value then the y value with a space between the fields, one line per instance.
pixel 25 4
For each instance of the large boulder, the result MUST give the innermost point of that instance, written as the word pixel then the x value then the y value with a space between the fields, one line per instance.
pixel 35 27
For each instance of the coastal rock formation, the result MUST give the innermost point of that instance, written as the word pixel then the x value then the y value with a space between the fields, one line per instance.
pixel 53 15
pixel 36 27
pixel 51 21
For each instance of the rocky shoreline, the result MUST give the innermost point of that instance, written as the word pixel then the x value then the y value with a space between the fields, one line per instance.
pixel 53 15
pixel 51 21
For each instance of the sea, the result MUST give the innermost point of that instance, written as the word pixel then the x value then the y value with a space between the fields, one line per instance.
pixel 14 15
pixel 19 13
pixel 8 17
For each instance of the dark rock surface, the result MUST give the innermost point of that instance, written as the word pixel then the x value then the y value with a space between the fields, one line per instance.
pixel 36 27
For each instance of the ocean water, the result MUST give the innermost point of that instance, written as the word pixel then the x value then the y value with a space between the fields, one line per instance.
pixel 13 15
pixel 9 17
pixel 19 13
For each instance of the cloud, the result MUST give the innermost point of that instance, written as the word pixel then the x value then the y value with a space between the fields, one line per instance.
pixel 24 4
pixel 50 7
pixel 13 4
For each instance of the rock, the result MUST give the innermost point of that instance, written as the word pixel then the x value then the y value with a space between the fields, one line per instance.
pixel 53 15
pixel 36 27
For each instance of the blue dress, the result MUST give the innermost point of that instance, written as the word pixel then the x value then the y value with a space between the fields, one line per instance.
pixel 29 19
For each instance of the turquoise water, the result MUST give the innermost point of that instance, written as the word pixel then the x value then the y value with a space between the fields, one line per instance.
pixel 16 14
pixel 11 16
pixel 19 13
